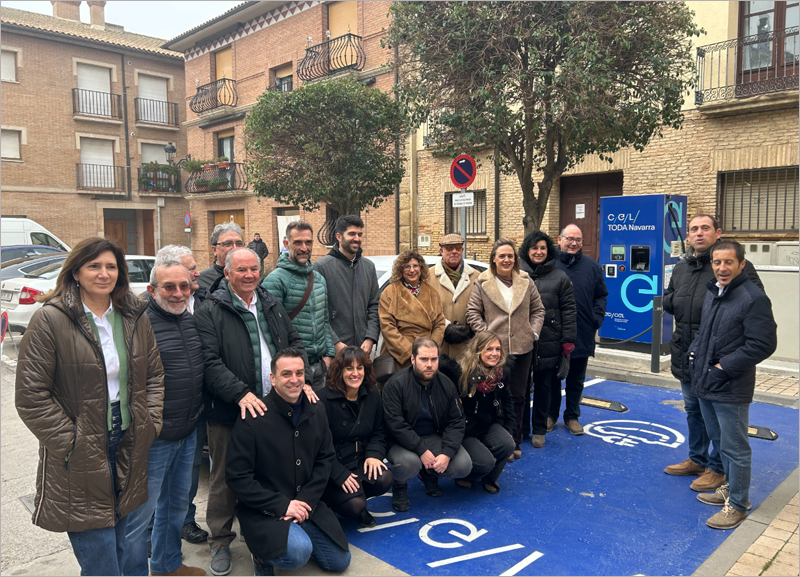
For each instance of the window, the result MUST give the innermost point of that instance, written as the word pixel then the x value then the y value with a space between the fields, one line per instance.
pixel 758 200
pixel 97 164
pixel 476 214
pixel 223 61
pixel 138 271
pixel 152 102
pixel 43 239
pixel 94 90
pixel 771 45
pixel 283 84
pixel 8 66
pixel 10 144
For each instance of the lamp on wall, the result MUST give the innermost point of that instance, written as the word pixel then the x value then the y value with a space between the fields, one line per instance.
pixel 171 151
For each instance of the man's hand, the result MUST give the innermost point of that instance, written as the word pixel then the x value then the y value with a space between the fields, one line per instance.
pixel 373 468
pixel 327 361
pixel 428 460
pixel 440 463
pixel 339 346
pixel 719 366
pixel 366 346
pixel 310 394
pixel 351 484
pixel 297 511
pixel 252 403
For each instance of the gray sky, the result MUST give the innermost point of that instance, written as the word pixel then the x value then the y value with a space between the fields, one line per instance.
pixel 153 17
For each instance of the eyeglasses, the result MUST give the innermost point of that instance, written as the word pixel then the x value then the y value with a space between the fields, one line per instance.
pixel 452 247
pixel 411 267
pixel 230 243
pixel 170 287
pixel 570 240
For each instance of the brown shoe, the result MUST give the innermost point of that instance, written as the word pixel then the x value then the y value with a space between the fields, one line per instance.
pixel 184 570
pixel 574 427
pixel 551 424
pixel 708 481
pixel 517 452
pixel 537 441
pixel 465 483
pixel 727 518
pixel 511 458
pixel 719 497
pixel 684 468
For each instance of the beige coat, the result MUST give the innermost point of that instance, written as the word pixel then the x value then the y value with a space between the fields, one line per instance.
pixel 404 318
pixel 454 301
pixel 517 328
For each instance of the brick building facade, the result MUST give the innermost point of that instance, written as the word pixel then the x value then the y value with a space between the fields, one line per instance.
pixel 83 106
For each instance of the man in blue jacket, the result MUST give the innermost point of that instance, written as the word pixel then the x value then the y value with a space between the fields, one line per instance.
pixel 736 333
pixel 590 300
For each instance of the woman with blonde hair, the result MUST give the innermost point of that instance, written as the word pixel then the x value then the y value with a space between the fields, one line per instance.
pixel 409 308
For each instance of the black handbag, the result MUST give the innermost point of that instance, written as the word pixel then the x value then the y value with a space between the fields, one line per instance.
pixel 563 368
pixel 384 367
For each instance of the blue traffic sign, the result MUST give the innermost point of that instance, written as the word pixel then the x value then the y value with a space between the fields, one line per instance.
pixel 463 170
pixel 187 219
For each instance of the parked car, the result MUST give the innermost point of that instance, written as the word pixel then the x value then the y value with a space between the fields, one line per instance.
pixel 8 253
pixel 16 231
pixel 17 295
pixel 22 266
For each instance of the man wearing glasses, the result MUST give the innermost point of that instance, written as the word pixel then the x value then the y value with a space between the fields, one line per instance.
pixel 224 238
pixel 452 278
pixel 590 300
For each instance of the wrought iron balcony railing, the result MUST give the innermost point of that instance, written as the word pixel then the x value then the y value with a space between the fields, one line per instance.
pixel 748 66
pixel 224 176
pixel 93 103
pixel 153 181
pixel 284 85
pixel 337 54
pixel 156 111
pixel 221 92
pixel 100 177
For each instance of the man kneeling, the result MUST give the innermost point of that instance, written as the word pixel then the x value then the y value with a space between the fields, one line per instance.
pixel 278 467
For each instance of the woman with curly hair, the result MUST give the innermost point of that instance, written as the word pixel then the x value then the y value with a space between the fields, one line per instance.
pixel 355 416
pixel 409 308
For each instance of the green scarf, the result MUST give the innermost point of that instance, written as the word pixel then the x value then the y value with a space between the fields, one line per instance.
pixel 115 318
pixel 455 275
pixel 252 330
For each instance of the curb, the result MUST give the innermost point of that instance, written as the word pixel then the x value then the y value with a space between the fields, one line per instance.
pixel 731 550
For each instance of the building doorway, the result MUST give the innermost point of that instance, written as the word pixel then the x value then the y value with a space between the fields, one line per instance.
pixel 580 204
pixel 237 216
pixel 120 227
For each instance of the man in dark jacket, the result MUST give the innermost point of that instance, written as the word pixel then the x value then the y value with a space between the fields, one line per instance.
pixel 684 300
pixel 241 326
pixel 737 332
pixel 278 466
pixel 259 247
pixel 590 293
pixel 352 288
pixel 424 424
pixel 169 467
pixel 224 238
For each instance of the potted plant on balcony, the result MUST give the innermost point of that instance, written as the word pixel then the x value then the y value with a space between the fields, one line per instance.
pixel 209 164
pixel 222 162
pixel 145 183
pixel 219 183
pixel 201 185
pixel 193 165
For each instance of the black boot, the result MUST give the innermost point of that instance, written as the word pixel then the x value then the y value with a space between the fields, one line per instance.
pixel 431 483
pixel 366 519
pixel 400 497
pixel 192 533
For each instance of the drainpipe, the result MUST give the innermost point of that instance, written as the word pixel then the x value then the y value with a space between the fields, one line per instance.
pixel 127 133
pixel 496 197
pixel 397 160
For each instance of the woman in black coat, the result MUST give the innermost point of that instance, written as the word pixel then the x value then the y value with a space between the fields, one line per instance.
pixel 488 409
pixel 355 416
pixel 538 258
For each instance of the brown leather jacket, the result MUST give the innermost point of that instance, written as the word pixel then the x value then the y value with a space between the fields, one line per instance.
pixel 62 396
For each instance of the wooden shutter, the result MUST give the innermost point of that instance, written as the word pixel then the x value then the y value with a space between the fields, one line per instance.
pixel 10 144
pixel 8 66
pixel 224 63
pixel 342 18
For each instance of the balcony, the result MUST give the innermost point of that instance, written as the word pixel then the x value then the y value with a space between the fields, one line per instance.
pixel 100 104
pixel 152 181
pixel 336 55
pixel 211 96
pixel 748 66
pixel 220 178
pixel 100 177
pixel 156 112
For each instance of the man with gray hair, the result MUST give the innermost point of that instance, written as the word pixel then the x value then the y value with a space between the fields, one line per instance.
pixel 304 295
pixel 224 238
pixel 185 256
pixel 241 327
pixel 169 467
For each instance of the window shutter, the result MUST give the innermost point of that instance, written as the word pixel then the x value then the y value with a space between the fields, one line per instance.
pixel 153 152
pixel 153 99
pixel 8 66
pixel 10 144
pixel 97 160
pixel 94 83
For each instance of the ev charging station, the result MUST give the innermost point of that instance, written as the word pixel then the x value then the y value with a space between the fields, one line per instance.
pixel 640 243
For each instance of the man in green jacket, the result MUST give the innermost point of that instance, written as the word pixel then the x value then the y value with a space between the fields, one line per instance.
pixel 305 298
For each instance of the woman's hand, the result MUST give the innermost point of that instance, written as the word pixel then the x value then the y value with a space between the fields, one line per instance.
pixel 351 484
pixel 373 468
pixel 310 394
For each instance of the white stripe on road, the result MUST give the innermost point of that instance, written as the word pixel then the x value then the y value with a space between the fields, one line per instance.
pixel 387 525
pixel 586 384
pixel 475 555
pixel 522 564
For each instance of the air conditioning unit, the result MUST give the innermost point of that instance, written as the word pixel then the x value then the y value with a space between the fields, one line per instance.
pixel 786 254
pixel 759 252
pixel 423 240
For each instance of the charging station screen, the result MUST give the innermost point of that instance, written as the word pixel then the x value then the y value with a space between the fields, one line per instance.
pixel 617 252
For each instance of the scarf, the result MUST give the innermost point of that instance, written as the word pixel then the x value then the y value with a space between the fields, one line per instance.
pixel 414 289
pixel 491 381
pixel 455 275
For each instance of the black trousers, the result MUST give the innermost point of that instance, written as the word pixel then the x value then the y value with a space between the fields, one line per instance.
pixel 574 391
pixel 518 382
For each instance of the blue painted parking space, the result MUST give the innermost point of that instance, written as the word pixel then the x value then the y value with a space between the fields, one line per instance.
pixel 599 504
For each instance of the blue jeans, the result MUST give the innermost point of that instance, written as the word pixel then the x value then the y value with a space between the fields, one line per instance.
pixel 198 457
pixel 698 437
pixel 307 540
pixel 726 424
pixel 100 551
pixel 169 477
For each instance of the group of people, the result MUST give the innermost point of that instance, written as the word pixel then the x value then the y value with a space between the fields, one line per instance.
pixel 275 376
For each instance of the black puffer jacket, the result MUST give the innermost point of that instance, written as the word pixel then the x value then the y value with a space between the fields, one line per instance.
pixel 684 300
pixel 182 356
pixel 210 276
pixel 228 353
pixel 558 299
pixel 738 332
pixel 590 293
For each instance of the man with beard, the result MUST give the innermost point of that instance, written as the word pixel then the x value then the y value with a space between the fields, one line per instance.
pixel 684 300
pixel 169 467
pixel 352 288
pixel 425 425
pixel 224 238
pixel 304 295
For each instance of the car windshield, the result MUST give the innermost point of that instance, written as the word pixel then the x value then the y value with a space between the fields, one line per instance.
pixel 380 273
pixel 32 267
pixel 47 271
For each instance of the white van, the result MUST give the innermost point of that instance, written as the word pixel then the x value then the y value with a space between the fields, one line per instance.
pixel 23 231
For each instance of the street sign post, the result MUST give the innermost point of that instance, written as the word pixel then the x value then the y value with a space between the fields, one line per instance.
pixel 462 173
pixel 187 224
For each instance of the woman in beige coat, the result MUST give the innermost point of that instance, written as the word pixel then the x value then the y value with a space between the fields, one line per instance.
pixel 409 308
pixel 504 300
